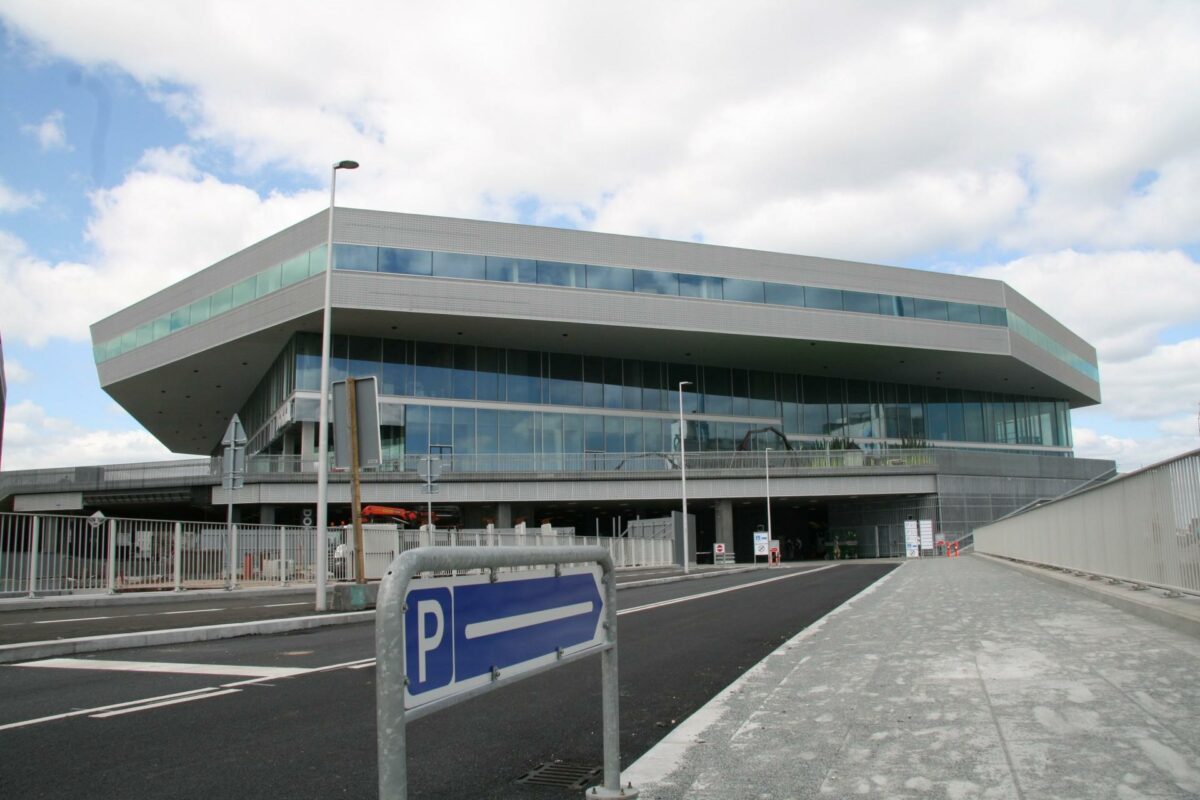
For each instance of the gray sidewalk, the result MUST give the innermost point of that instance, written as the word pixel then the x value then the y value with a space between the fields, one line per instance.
pixel 955 678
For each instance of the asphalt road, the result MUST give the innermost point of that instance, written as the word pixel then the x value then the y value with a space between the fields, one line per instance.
pixel 303 733
pixel 118 615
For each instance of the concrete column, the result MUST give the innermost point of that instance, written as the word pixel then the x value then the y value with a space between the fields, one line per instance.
pixel 504 515
pixel 723 517
pixel 308 450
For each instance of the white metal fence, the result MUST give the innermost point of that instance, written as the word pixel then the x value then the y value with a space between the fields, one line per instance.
pixel 55 554
pixel 1143 527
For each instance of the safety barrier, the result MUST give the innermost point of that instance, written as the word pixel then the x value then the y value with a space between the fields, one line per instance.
pixel 1142 528
pixel 62 554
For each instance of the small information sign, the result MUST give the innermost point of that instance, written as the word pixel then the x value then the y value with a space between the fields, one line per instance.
pixel 762 543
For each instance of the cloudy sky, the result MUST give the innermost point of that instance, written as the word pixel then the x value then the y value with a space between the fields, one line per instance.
pixel 1052 145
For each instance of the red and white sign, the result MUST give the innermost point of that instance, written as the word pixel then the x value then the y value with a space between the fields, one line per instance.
pixel 719 548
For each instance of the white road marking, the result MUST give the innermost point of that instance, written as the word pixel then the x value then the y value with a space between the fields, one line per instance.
pixel 370 663
pixel 75 619
pixel 190 611
pixel 149 706
pixel 281 605
pixel 84 711
pixel 662 603
pixel 167 667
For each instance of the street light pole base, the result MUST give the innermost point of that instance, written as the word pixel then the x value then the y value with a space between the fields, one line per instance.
pixel 599 793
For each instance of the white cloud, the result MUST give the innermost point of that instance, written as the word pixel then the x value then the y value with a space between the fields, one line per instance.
pixel 11 200
pixel 35 440
pixel 164 222
pixel 1131 453
pixel 1120 301
pixel 15 372
pixel 854 130
pixel 50 133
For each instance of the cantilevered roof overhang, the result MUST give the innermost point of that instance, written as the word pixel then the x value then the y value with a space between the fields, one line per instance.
pixel 183 388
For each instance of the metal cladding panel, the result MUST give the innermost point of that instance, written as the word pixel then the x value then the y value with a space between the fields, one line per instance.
pixel 275 249
pixel 557 244
pixel 559 491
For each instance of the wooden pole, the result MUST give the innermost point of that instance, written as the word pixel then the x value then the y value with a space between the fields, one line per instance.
pixel 360 563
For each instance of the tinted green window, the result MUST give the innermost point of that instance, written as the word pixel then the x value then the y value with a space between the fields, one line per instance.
pixel 782 294
pixel 295 269
pixel 128 341
pixel 162 326
pixel 554 273
pixel 651 282
pixel 511 270
pixel 743 291
pixel 700 286
pixel 862 302
pixel 458 265
pixel 397 261
pixel 991 315
pixel 243 292
pixel 145 334
pixel 614 278
pixel 815 297
pixel 316 260
pixel 904 307
pixel 356 257
pixel 932 309
pixel 963 312
pixel 221 301
pixel 268 281
pixel 179 319
pixel 199 311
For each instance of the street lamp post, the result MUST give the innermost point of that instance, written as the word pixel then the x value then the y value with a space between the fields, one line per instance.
pixel 323 430
pixel 767 463
pixel 683 471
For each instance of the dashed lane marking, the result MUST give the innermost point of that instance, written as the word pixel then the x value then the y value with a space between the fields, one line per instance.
pixel 167 667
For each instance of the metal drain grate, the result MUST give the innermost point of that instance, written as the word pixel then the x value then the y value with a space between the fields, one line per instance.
pixel 565 776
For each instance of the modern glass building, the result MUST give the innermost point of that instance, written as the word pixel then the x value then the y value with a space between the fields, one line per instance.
pixel 546 368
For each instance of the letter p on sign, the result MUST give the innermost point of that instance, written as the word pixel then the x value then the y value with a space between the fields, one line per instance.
pixel 428 647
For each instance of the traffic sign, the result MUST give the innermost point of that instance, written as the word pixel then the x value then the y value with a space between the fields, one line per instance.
pixel 761 543
pixel 719 548
pixel 464 632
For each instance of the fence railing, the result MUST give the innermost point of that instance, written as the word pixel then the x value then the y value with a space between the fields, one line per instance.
pixel 1143 528
pixel 616 463
pixel 60 554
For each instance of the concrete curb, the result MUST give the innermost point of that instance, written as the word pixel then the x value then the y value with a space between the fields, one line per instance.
pixel 1181 614
pixel 29 651
pixel 146 598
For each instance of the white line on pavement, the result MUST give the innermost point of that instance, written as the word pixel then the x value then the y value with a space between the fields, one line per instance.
pixel 190 611
pixel 661 603
pixel 166 666
pixel 149 706
pixel 281 605
pixel 75 619
pixel 84 711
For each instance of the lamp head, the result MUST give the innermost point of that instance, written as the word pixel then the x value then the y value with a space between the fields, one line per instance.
pixel 346 165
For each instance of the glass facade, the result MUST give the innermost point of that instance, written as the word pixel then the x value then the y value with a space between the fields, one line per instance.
pixel 617 405
pixel 403 261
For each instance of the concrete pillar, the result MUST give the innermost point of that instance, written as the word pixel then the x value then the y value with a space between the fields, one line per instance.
pixel 504 515
pixel 723 517
pixel 308 446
